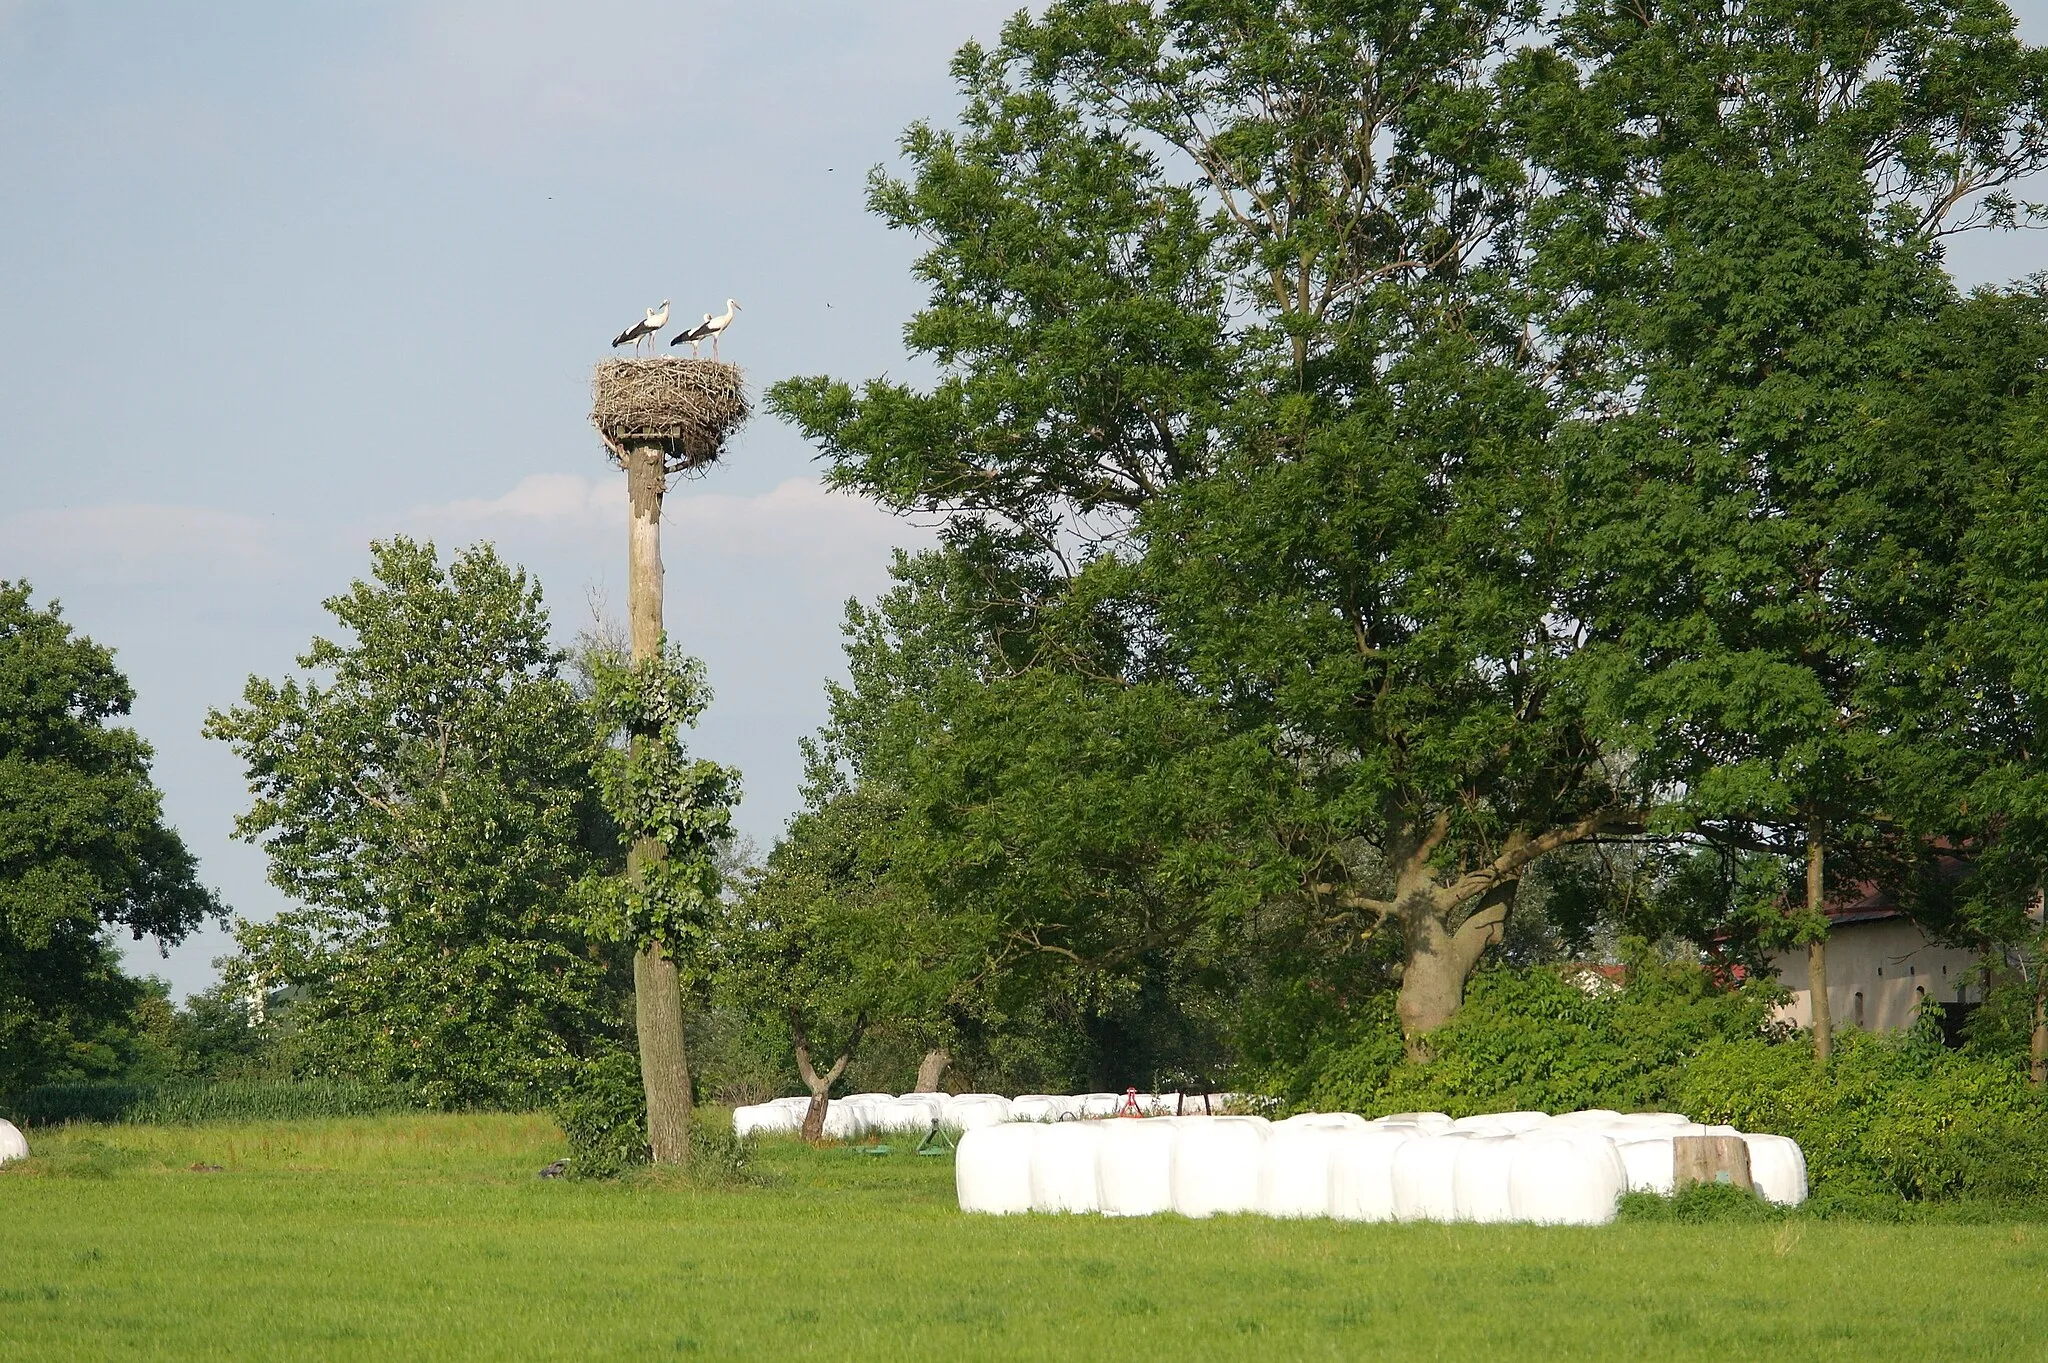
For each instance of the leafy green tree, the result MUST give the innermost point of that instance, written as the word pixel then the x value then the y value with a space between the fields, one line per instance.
pixel 825 939
pixel 1745 283
pixel 1239 426
pixel 427 794
pixel 1486 429
pixel 84 851
pixel 1975 795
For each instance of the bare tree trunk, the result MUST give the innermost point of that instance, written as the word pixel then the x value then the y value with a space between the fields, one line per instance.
pixel 931 1070
pixel 657 989
pixel 820 1085
pixel 1817 951
pixel 1440 959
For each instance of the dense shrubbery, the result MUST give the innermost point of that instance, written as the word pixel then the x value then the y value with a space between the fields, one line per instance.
pixel 1893 1116
pixel 187 1102
pixel 603 1112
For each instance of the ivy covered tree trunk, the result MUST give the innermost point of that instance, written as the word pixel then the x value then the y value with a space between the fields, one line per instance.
pixel 658 995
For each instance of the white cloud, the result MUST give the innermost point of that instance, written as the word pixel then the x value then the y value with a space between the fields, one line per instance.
pixel 798 522
pixel 141 543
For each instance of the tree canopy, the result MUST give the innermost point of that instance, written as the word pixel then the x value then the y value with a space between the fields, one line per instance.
pixel 426 793
pixel 1383 448
pixel 84 850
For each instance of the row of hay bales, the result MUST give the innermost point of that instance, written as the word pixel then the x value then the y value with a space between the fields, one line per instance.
pixel 1419 1166
pixel 868 1114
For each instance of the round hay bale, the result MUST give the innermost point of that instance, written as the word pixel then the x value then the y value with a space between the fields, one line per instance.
pixel 689 408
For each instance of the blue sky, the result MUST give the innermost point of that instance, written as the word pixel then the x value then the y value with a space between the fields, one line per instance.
pixel 279 278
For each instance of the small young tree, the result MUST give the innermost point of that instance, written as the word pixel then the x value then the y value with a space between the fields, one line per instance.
pixel 427 795
pixel 84 850
pixel 824 937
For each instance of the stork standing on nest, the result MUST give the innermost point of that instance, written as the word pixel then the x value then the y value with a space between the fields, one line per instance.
pixel 650 325
pixel 694 335
pixel 715 326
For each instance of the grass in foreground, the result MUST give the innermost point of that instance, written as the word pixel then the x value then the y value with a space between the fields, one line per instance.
pixel 429 1237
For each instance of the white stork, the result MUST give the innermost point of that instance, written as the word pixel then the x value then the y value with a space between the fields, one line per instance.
pixel 656 319
pixel 716 325
pixel 694 335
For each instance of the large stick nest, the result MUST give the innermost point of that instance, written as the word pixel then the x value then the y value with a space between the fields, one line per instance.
pixel 687 407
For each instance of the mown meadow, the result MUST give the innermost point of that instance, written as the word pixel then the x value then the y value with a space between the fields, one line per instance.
pixel 429 1236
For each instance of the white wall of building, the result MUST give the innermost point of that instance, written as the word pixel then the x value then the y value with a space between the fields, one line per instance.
pixel 1878 971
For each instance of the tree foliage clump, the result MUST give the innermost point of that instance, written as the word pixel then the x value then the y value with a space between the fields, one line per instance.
pixel 426 794
pixel 659 797
pixel 1381 451
pixel 84 852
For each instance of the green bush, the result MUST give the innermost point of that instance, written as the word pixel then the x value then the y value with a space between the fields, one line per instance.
pixel 1699 1203
pixel 1896 1116
pixel 719 1157
pixel 1893 1117
pixel 603 1112
pixel 187 1103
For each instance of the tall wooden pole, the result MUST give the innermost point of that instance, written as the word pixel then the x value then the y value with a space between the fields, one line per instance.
pixel 657 989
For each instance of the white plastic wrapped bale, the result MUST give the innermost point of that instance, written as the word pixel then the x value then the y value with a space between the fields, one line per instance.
pixel 765 1119
pixel 1034 1107
pixel 1652 1121
pixel 992 1168
pixel 1646 1153
pixel 847 1121
pixel 1063 1168
pixel 1158 1104
pixel 1422 1177
pixel 970 1111
pixel 1362 1171
pixel 1134 1166
pixel 1216 1165
pixel 1568 1178
pixel 1591 1119
pixel 1294 1169
pixel 1432 1122
pixel 1502 1123
pixel 13 1145
pixel 1334 1121
pixel 1100 1104
pixel 1480 1176
pixel 1777 1166
pixel 906 1116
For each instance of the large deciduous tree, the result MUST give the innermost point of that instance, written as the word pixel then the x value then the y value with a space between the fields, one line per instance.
pixel 84 851
pixel 427 795
pixel 1239 419
pixel 1742 275
pixel 1489 430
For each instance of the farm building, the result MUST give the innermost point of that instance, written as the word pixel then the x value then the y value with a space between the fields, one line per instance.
pixel 1880 967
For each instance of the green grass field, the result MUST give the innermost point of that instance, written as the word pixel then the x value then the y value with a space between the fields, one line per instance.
pixel 430 1237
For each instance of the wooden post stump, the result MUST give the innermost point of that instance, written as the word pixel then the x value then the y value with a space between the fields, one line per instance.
pixel 1710 1159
